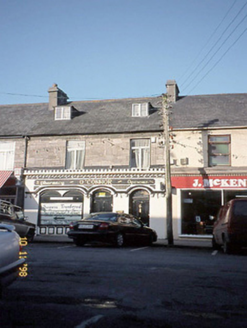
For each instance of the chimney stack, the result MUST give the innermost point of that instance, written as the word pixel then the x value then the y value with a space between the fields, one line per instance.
pixel 172 90
pixel 56 97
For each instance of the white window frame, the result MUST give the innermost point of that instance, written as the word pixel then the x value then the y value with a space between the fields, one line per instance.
pixel 7 155
pixel 62 113
pixel 140 154
pixel 75 154
pixel 140 109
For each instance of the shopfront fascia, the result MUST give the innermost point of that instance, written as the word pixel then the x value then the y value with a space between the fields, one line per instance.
pixel 200 198
pixel 53 199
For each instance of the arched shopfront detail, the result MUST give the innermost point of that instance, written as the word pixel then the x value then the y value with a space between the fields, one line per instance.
pixel 139 205
pixel 58 208
pixel 101 201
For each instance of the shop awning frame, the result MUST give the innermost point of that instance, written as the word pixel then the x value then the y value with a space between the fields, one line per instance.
pixel 4 176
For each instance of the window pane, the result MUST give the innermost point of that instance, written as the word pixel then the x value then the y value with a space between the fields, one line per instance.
pixel 219 160
pixel 144 109
pixel 58 113
pixel 219 138
pixel 219 149
pixel 135 110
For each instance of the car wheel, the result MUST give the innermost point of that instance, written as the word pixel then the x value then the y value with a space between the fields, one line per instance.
pixel 214 244
pixel 30 237
pixel 119 240
pixel 227 248
pixel 79 242
pixel 150 240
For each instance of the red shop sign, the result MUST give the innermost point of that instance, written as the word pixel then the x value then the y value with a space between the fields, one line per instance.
pixel 209 182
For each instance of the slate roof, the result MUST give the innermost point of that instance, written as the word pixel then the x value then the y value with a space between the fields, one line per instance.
pixel 114 116
pixel 94 117
pixel 212 111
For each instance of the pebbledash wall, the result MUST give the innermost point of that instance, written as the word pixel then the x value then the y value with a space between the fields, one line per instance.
pixel 54 198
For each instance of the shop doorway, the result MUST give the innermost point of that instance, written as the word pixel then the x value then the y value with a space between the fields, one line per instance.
pixel 101 201
pixel 139 205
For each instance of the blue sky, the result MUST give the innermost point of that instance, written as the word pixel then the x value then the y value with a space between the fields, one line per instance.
pixel 106 49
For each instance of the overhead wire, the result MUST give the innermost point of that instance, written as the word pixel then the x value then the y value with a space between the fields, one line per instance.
pixel 229 48
pixel 213 47
pixel 214 54
pixel 207 42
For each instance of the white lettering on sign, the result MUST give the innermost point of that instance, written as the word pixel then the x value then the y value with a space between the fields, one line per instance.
pixel 220 183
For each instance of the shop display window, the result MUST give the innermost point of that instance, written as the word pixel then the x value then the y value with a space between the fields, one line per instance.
pixel 199 209
pixel 60 209
pixel 231 194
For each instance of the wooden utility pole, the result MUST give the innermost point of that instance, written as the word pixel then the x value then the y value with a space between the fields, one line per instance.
pixel 165 114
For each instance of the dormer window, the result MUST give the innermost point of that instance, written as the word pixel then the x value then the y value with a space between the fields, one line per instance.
pixel 141 109
pixel 62 113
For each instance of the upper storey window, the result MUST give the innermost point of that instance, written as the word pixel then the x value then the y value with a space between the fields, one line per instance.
pixel 75 154
pixel 140 109
pixel 219 150
pixel 140 153
pixel 7 155
pixel 62 113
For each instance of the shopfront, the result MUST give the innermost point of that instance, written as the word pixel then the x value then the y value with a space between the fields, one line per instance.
pixel 201 197
pixel 53 199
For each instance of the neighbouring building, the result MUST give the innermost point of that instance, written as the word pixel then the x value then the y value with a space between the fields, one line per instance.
pixel 63 159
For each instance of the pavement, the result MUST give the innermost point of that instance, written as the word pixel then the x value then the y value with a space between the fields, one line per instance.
pixel 181 242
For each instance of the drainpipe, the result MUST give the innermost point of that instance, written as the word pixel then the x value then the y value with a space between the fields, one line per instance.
pixel 25 151
pixel 21 185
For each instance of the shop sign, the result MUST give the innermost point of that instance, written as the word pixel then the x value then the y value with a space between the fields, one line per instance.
pixel 209 182
pixel 60 213
pixel 63 182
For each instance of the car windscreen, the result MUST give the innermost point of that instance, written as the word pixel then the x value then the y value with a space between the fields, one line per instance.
pixel 103 217
pixel 20 215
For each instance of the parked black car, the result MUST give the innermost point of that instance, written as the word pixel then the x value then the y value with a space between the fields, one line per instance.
pixel 13 215
pixel 115 228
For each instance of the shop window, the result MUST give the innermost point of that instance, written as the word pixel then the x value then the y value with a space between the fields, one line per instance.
pixel 140 153
pixel 219 150
pixel 60 210
pixel 7 155
pixel 199 209
pixel 75 154
pixel 231 194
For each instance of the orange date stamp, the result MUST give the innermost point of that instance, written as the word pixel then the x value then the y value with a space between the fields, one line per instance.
pixel 23 270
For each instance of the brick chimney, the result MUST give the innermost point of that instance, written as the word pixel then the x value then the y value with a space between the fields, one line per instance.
pixel 56 97
pixel 172 90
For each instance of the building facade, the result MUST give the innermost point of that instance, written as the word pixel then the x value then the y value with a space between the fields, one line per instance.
pixel 65 160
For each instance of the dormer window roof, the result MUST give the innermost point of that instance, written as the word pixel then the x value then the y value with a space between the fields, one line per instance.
pixel 62 113
pixel 140 109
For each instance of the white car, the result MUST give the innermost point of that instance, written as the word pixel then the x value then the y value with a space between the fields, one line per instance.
pixel 9 255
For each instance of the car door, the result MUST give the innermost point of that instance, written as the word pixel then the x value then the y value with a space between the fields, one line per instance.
pixel 135 231
pixel 20 223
